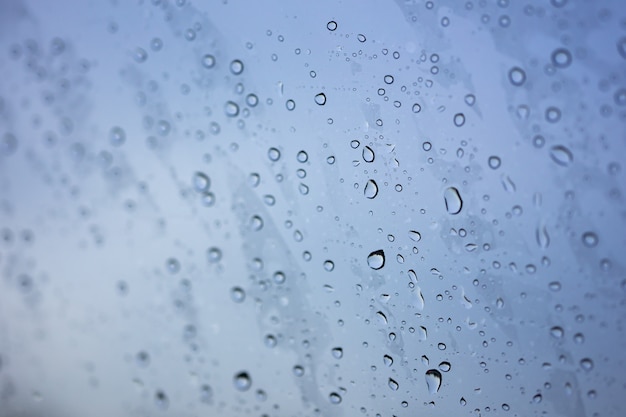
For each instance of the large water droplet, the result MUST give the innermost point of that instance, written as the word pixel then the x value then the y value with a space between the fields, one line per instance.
pixel 453 200
pixel 376 259
pixel 371 189
pixel 433 380
pixel 242 381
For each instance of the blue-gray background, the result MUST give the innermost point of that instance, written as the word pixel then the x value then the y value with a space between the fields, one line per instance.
pixel 169 220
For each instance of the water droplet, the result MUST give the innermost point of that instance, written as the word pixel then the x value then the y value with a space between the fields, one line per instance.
pixel 376 259
pixel 231 109
pixel 208 199
pixel 140 55
pixel 320 99
pixel 279 277
pixel 494 162
pixel 453 200
pixel 237 294
pixel 208 61
pixel 270 341
pixel 590 239
pixel 415 236
pixel 542 236
pixel 433 380
pixel 621 47
pixel 537 398
pixel 298 370
pixel 381 316
pixel 388 79
pixel 561 155
pixel 302 157
pixel 371 189
pixel 361 37
pixel 579 338
pixel 416 108
pixel 256 223
pixel 329 265
pixel 517 76
pixel 459 119
pixel 332 25
pixel 337 353
pixel 214 254
pixel 142 358
pixel 368 154
pixel 242 381
pixel 201 182
pixel 553 114
pixel 161 400
pixel 556 332
pixel 445 366
pixel 117 136
pixel 290 104
pixel 462 401
pixel 561 58
pixel 273 154
pixel 333 396
pixel 236 67
pixel 393 385
pixel 173 266
pixel 388 360
pixel 252 100
pixel 586 364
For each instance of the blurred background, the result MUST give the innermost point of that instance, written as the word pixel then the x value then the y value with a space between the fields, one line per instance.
pixel 376 208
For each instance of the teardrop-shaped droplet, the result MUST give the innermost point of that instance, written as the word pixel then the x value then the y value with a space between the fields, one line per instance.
pixel 433 380
pixel 368 154
pixel 371 189
pixel 376 259
pixel 453 200
pixel 415 236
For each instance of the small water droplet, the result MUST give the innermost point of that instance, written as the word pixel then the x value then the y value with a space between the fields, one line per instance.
pixel 445 366
pixel 586 364
pixel 161 400
pixel 201 182
pixel 173 266
pixel 208 61
pixel 237 294
pixel 273 154
pixel 459 119
pixel 376 259
pixel 329 265
pixel 556 332
pixel 542 237
pixel 320 99
pixel 381 317
pixel 393 384
pixel 590 239
pixel 117 136
pixel 334 398
pixel 517 76
pixel 387 360
pixel 415 236
pixel 236 67
pixel 561 58
pixel 256 223
pixel 494 162
pixel 337 353
pixel 332 25
pixel 298 370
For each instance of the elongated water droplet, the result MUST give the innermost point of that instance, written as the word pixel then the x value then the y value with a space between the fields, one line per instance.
pixel 453 200
pixel 371 189
pixel 381 317
pixel 376 259
pixel 561 155
pixel 542 236
pixel 334 398
pixel 387 360
pixel 433 380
